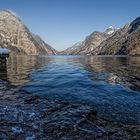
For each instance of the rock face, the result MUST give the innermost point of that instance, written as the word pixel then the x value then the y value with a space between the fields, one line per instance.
pixel 91 42
pixel 125 41
pixel 15 36
pixel 72 50
pixel 111 30
pixel 44 45
pixel 2 63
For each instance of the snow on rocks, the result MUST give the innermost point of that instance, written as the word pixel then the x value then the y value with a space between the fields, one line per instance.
pixel 4 51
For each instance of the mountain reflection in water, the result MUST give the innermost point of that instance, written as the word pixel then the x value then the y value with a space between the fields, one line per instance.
pixel 20 67
pixel 116 70
pixel 111 84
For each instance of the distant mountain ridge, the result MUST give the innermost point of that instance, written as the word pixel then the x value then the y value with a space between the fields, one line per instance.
pixel 15 36
pixel 114 41
pixel 125 41
pixel 91 42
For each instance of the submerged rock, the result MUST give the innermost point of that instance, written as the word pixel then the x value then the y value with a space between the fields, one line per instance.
pixel 32 99
pixel 28 117
pixel 17 130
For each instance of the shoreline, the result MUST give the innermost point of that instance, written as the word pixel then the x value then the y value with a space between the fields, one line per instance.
pixel 29 117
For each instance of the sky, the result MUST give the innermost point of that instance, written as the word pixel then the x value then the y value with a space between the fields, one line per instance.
pixel 62 23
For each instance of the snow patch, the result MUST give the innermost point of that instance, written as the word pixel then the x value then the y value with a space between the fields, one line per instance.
pixel 110 32
pixel 111 27
pixel 4 51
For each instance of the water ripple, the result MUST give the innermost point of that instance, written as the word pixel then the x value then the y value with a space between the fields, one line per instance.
pixel 111 84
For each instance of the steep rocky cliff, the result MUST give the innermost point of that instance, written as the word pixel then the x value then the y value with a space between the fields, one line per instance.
pixel 125 41
pixel 91 42
pixel 15 36
pixel 72 50
pixel 44 45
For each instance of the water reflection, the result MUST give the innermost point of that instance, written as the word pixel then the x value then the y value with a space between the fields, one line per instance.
pixel 111 84
pixel 19 67
pixel 115 70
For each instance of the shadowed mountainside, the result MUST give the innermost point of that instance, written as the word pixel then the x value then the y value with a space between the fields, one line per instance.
pixel 125 41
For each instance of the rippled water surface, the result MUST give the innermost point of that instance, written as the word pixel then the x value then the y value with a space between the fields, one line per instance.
pixel 111 84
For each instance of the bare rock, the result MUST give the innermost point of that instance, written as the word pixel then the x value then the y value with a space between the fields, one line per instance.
pixel 15 36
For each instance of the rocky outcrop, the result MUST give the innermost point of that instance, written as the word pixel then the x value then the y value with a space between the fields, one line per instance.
pixel 91 42
pixel 15 36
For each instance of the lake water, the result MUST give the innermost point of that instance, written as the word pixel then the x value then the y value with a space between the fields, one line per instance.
pixel 110 84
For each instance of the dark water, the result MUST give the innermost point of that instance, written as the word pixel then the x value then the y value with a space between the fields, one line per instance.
pixel 111 84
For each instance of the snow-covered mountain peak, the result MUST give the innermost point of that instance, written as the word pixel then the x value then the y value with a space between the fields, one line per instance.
pixel 110 30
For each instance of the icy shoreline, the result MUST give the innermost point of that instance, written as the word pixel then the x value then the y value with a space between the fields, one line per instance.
pixel 27 117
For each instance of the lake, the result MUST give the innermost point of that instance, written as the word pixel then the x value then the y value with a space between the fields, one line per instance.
pixel 110 84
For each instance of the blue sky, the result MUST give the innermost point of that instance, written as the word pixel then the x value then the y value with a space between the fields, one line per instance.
pixel 61 23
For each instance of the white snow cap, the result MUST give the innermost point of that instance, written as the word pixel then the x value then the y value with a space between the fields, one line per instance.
pixel 4 51
pixel 111 27
pixel 110 32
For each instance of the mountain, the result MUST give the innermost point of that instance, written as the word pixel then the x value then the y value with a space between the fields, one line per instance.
pixel 125 41
pixel 91 42
pixel 44 45
pixel 73 49
pixel 15 36
pixel 111 30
